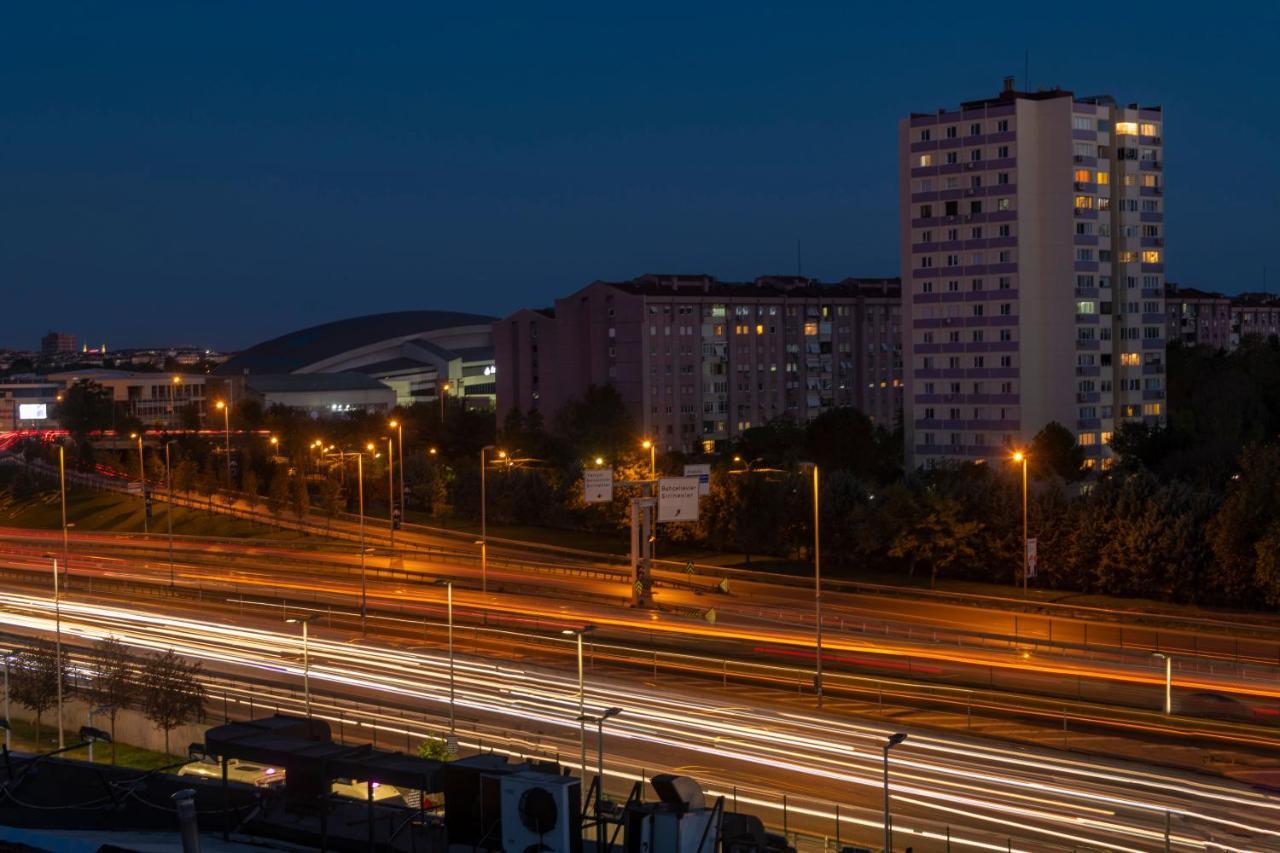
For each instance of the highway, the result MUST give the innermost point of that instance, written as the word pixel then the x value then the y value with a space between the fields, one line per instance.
pixel 989 795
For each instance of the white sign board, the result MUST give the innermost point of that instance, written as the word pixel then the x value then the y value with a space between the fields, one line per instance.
pixel 678 499
pixel 703 473
pixel 597 485
pixel 1031 558
pixel 33 411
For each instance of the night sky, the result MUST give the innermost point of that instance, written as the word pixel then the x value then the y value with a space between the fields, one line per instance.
pixel 216 174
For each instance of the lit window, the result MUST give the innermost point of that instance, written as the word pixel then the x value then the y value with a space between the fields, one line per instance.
pixel 1106 438
pixel 1129 359
pixel 1127 128
pixel 1150 408
pixel 1150 181
pixel 1088 438
pixel 1149 129
pixel 1084 202
pixel 1127 257
pixel 759 328
pixel 1086 307
pixel 926 159
pixel 1002 204
pixel 811 328
pixel 1104 178
pixel 1084 176
pixel 1151 256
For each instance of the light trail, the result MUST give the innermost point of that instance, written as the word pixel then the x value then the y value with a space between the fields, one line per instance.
pixel 1036 793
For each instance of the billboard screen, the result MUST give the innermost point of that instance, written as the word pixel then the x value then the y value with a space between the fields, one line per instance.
pixel 33 411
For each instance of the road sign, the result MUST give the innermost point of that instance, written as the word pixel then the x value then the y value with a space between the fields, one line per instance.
pixel 597 485
pixel 703 473
pixel 1031 558
pixel 678 499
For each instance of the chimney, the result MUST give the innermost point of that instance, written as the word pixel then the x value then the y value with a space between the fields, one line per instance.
pixel 1008 85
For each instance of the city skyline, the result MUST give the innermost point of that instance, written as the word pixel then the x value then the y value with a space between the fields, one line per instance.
pixel 283 175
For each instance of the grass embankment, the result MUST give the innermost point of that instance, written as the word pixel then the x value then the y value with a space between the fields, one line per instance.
pixel 24 740
pixel 91 510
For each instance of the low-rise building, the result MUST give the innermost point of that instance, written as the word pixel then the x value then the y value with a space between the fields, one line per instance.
pixel 1254 315
pixel 28 404
pixel 156 399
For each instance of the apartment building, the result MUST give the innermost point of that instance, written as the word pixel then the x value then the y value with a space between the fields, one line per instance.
pixel 1198 317
pixel 698 360
pixel 1254 315
pixel 1032 235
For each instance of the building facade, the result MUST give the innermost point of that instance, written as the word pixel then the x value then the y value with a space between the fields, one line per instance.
pixel 56 343
pixel 1032 238
pixel 698 360
pixel 156 399
pixel 29 405
pixel 1254 315
pixel 1198 318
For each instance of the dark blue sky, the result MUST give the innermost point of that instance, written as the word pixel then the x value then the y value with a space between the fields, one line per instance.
pixel 220 173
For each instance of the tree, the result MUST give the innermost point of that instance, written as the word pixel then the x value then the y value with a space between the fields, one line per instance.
pixel 1054 451
pixel 278 491
pixel 435 749
pixel 941 539
pixel 86 407
pixel 331 498
pixel 172 694
pixel 207 482
pixel 33 680
pixel 299 498
pixel 251 488
pixel 113 684
pixel 597 422
pixel 184 475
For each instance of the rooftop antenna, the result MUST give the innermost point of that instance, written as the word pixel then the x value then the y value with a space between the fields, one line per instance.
pixel 1026 70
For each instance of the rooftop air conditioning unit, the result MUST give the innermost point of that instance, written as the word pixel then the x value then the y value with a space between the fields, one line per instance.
pixel 541 813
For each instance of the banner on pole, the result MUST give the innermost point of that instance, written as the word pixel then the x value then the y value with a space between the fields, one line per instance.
pixel 678 499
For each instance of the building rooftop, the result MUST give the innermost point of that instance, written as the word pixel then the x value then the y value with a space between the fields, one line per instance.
pixel 780 286
pixel 296 350
pixel 278 383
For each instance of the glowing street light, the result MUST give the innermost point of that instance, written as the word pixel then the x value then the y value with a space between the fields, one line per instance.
pixel 222 406
pixel 142 477
pixel 1021 457
pixel 894 740
pixel 398 426
pixel 582 693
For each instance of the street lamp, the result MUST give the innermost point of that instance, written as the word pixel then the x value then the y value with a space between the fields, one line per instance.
pixel 448 585
pixel 599 461
pixel 398 426
pixel 817 588
pixel 62 487
pixel 275 447
pixel 1168 680
pixel 364 587
pixel 894 740
pixel 653 468
pixel 168 513
pixel 582 693
pixel 391 491
pixel 306 659
pixel 226 429
pixel 599 721
pixel 142 477
pixel 57 645
pixel 1019 456
pixel 484 523
pixel 444 391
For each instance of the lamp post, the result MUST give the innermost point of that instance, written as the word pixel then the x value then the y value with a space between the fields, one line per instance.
pixel 62 486
pixel 1168 680
pixel 648 445
pixel 599 721
pixel 306 660
pixel 582 693
pixel 398 426
pixel 391 490
pixel 817 588
pixel 894 740
pixel 1020 456
pixel 364 588
pixel 448 585
pixel 444 392
pixel 7 737
pixel 168 513
pixel 226 430
pixel 142 479
pixel 57 645
pixel 173 398
pixel 484 523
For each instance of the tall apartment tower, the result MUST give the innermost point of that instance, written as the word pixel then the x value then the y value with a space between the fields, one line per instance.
pixel 1032 239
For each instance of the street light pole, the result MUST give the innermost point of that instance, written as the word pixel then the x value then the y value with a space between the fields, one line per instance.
pixel 226 428
pixel 1020 456
pixel 398 426
pixel 484 526
pixel 57 634
pixel 142 478
pixel 599 721
pixel 8 722
pixel 62 485
pixel 391 491
pixel 582 693
pixel 306 661
pixel 364 613
pixel 893 741
pixel 1168 680
pixel 168 513
pixel 449 599
pixel 817 588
